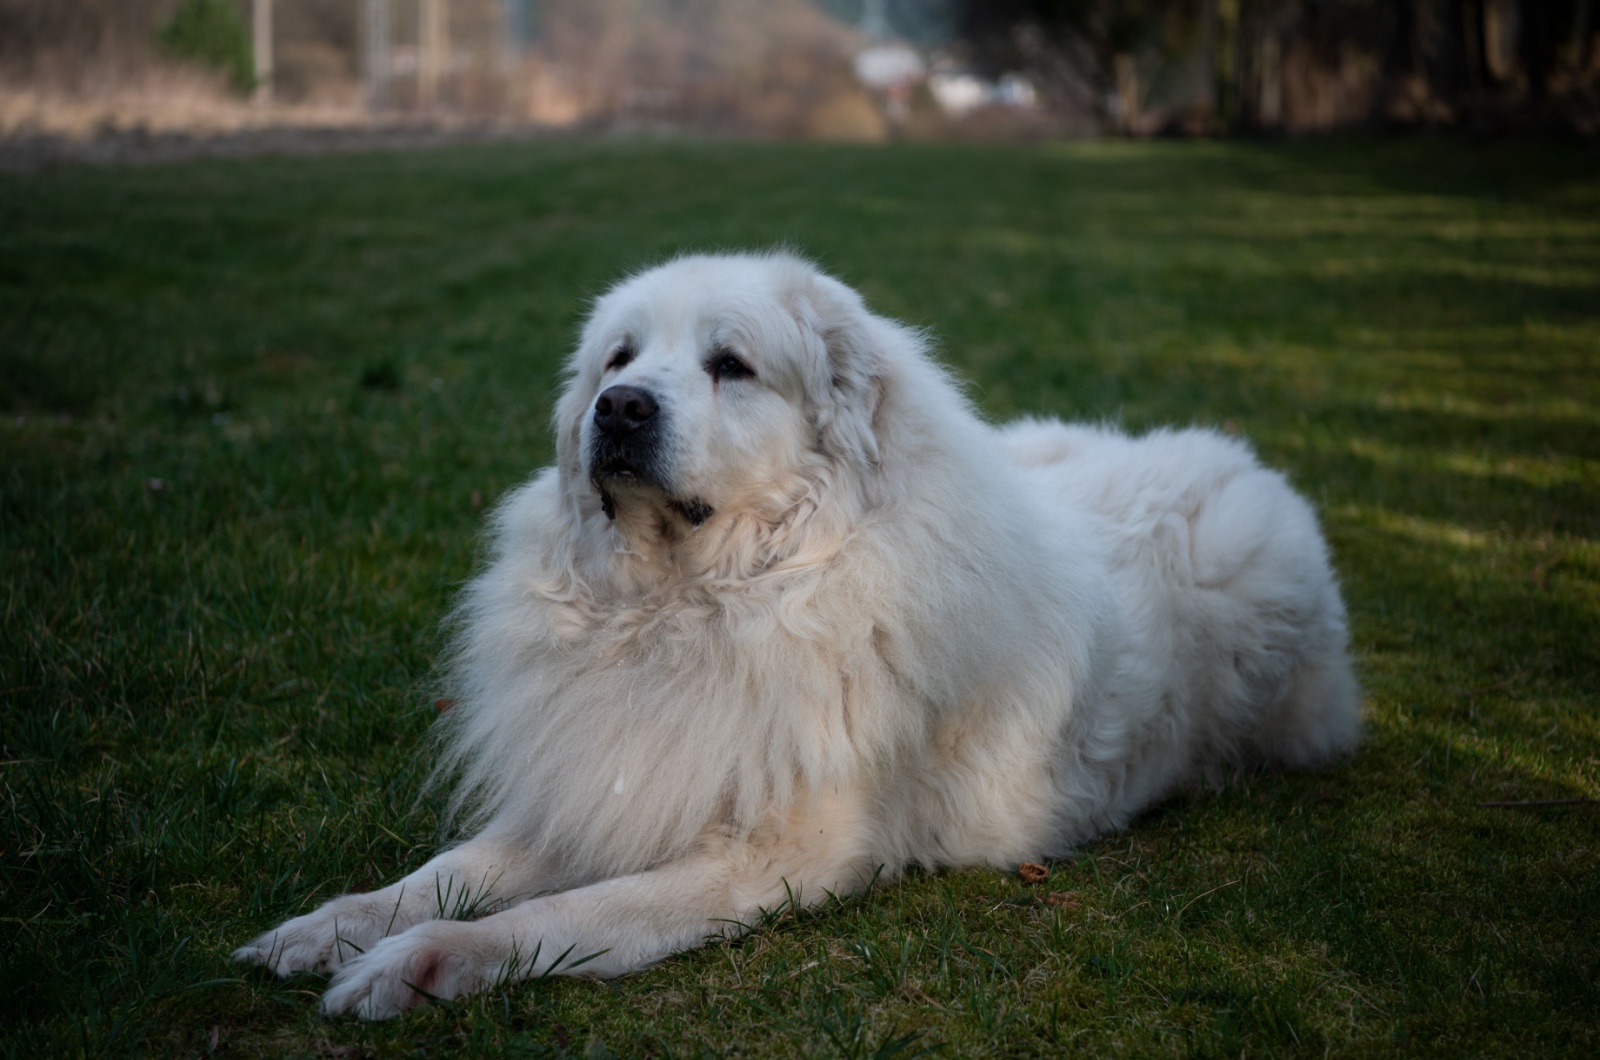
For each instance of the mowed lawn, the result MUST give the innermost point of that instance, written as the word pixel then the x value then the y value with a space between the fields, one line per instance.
pixel 252 413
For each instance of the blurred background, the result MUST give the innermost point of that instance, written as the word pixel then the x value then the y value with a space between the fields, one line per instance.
pixel 827 69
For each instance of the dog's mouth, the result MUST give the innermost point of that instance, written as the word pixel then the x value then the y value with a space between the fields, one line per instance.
pixel 632 459
pixel 618 474
pixel 618 470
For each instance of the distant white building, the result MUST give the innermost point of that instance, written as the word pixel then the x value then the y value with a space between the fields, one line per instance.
pixel 959 94
pixel 1015 90
pixel 889 66
pixel 893 69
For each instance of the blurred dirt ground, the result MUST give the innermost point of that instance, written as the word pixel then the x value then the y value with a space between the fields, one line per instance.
pixel 139 146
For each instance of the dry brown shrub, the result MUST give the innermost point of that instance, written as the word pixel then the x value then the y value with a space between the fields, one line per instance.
pixel 778 68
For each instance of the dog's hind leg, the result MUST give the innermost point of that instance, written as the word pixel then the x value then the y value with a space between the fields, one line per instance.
pixel 1271 605
pixel 484 874
pixel 1319 718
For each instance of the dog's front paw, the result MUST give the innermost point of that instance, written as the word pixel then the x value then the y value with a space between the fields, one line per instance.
pixel 321 941
pixel 432 961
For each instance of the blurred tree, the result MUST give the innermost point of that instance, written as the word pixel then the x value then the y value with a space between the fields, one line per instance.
pixel 1083 49
pixel 1304 64
pixel 211 33
pixel 66 44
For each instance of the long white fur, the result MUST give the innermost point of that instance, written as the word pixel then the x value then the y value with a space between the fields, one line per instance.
pixel 904 637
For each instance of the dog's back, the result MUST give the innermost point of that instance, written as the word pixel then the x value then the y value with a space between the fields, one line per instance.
pixel 1234 617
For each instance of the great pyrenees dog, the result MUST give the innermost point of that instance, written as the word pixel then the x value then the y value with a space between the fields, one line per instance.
pixel 787 617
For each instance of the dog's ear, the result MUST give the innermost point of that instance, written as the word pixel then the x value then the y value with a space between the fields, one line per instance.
pixel 848 376
pixel 567 419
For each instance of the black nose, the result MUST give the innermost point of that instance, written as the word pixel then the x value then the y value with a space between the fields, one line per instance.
pixel 621 410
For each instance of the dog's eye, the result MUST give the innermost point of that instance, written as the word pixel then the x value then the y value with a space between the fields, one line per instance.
pixel 725 365
pixel 620 359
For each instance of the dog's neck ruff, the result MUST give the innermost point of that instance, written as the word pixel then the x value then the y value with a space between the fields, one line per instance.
pixel 656 664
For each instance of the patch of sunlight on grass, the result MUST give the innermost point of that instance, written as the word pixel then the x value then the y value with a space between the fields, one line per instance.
pixel 1350 217
pixel 1418 529
pixel 1535 276
pixel 1564 275
pixel 1462 750
pixel 1535 471
pixel 1428 399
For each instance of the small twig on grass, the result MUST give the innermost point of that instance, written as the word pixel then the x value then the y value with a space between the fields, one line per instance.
pixel 1541 802
pixel 1199 896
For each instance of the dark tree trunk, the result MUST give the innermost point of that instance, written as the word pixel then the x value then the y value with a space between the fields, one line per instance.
pixel 1536 46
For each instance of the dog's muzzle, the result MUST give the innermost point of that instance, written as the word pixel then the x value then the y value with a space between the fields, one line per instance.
pixel 626 446
pixel 627 437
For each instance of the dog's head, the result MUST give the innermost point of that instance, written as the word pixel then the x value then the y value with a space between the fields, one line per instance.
pixel 708 385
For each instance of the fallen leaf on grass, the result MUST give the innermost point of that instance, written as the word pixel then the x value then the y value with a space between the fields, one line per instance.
pixel 1032 872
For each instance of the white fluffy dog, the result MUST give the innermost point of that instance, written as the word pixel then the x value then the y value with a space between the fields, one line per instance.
pixel 787 615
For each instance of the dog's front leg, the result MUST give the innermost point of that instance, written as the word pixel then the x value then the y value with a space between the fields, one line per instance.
pixel 481 875
pixel 611 927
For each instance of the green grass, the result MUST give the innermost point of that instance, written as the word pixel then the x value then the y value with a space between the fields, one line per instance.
pixel 251 409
